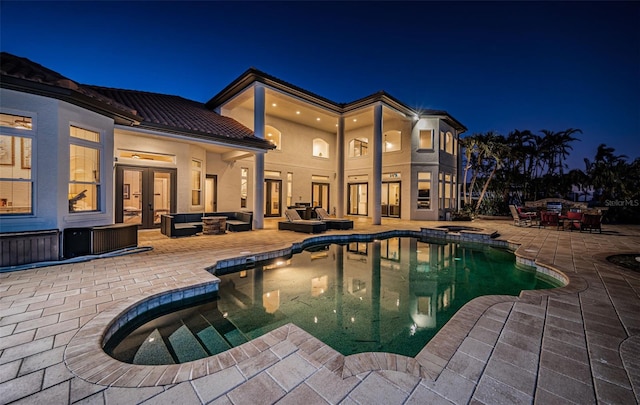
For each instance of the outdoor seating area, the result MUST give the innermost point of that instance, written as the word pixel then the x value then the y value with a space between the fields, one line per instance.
pixel 295 223
pixel 189 224
pixel 563 216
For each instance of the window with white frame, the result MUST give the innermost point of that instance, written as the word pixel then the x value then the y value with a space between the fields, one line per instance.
pixel 196 182
pixel 426 139
pixel 273 135
pixel 447 190
pixel 85 149
pixel 424 190
pixel 320 148
pixel 391 141
pixel 16 184
pixel 358 147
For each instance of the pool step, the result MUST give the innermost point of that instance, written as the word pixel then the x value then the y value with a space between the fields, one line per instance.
pixel 153 351
pixel 186 346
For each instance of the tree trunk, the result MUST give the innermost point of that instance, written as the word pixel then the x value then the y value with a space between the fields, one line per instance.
pixel 486 185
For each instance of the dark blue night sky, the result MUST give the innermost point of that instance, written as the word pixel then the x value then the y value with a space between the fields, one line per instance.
pixel 492 65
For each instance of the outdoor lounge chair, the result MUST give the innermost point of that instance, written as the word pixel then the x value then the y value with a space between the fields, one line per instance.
pixel 333 223
pixel 297 224
pixel 521 218
pixel 591 222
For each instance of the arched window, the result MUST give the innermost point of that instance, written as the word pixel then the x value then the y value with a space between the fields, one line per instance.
pixel 272 135
pixel 358 147
pixel 449 142
pixel 320 148
pixel 391 141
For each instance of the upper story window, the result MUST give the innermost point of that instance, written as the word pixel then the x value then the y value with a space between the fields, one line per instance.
pixel 85 149
pixel 16 185
pixel 320 148
pixel 426 139
pixel 358 147
pixel 273 135
pixel 391 141
pixel 447 142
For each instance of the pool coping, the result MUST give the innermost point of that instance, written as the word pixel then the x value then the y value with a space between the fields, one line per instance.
pixel 85 357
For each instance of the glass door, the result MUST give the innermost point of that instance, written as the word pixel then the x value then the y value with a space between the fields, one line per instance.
pixel 358 198
pixel 272 198
pixel 143 194
pixel 320 195
pixel 390 199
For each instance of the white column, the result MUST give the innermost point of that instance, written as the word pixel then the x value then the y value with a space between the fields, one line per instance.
pixel 340 169
pixel 258 174
pixel 377 165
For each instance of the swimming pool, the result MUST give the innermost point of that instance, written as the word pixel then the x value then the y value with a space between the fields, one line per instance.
pixel 390 295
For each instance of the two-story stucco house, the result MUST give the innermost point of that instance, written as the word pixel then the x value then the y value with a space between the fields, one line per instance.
pixel 75 155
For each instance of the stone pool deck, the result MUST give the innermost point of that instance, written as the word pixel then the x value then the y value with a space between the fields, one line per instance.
pixel 577 344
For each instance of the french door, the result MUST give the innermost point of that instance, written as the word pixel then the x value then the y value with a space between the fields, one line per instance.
pixel 358 199
pixel 390 199
pixel 143 194
pixel 272 198
pixel 320 195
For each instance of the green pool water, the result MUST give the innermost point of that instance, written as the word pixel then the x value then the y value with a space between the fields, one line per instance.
pixel 390 295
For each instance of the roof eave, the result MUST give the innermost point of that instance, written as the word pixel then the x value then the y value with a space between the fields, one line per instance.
pixel 70 96
pixel 253 75
pixel 198 135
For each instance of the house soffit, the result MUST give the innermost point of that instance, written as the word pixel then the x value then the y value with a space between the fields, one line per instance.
pixel 207 144
pixel 289 108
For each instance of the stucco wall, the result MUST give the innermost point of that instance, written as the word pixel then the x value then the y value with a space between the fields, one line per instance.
pixel 50 162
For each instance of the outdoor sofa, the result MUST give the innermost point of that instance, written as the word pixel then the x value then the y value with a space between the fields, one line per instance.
pixel 297 224
pixel 187 224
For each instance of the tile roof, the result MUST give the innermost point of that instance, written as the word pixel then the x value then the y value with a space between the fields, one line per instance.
pixel 28 75
pixel 177 114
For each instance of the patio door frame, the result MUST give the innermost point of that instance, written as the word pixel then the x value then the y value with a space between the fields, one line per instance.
pixel 269 210
pixel 386 209
pixel 146 194
pixel 322 189
pixel 358 202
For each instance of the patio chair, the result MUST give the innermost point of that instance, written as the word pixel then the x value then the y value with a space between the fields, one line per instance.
pixel 549 219
pixel 574 218
pixel 591 222
pixel 521 218
pixel 297 224
pixel 333 223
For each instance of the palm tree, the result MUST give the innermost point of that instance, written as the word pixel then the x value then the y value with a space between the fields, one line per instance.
pixel 495 149
pixel 470 145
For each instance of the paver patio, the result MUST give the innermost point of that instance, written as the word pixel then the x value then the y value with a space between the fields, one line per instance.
pixel 577 344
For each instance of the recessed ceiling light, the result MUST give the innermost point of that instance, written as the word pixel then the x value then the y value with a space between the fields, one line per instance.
pixel 318 119
pixel 355 120
pixel 298 112
pixel 274 105
pixel 269 134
